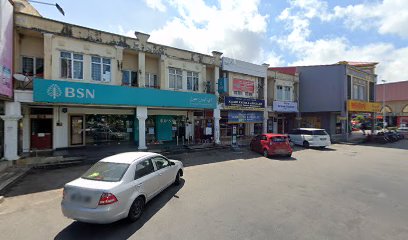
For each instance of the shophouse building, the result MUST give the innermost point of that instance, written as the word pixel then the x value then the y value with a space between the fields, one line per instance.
pixel 88 87
pixel 331 95
pixel 394 99
pixel 243 89
pixel 283 100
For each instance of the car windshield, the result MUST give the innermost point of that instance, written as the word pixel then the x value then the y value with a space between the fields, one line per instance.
pixel 319 132
pixel 106 171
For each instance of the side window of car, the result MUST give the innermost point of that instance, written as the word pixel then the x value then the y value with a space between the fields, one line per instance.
pixel 263 137
pixel 161 162
pixel 144 168
pixel 304 132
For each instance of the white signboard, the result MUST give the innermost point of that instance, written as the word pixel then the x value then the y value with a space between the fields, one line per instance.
pixel 280 106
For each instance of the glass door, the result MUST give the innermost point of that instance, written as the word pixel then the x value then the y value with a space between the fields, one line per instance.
pixel 77 130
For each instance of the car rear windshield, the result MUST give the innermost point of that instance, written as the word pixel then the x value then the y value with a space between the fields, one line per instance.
pixel 106 171
pixel 319 132
pixel 279 139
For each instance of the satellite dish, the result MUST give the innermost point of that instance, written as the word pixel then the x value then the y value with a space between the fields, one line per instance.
pixel 20 77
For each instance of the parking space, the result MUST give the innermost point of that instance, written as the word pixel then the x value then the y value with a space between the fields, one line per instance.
pixel 343 192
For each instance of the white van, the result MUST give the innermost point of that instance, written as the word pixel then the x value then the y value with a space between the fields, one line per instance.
pixel 310 137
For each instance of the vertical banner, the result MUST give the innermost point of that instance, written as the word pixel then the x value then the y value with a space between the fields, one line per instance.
pixel 6 48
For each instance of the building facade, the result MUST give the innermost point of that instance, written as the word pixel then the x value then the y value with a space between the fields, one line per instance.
pixel 283 100
pixel 394 99
pixel 331 95
pixel 88 87
pixel 242 87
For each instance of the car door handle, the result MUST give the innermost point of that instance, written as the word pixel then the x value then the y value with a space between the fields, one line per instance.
pixel 160 174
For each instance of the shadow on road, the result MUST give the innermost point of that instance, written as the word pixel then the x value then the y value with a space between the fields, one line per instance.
pixel 40 180
pixel 120 229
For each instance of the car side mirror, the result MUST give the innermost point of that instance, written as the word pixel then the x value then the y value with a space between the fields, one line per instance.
pixel 172 163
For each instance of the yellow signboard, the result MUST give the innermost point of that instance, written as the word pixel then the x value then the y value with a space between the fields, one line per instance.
pixel 361 106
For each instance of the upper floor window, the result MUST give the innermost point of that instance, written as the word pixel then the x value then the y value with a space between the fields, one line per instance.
pixel 72 65
pixel 32 66
pixel 283 93
pixel 101 69
pixel 192 81
pixel 248 94
pixel 151 81
pixel 175 78
pixel 129 78
pixel 359 89
pixel 238 93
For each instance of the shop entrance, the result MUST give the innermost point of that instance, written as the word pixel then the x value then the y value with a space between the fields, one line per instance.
pixel 77 130
pixel 41 128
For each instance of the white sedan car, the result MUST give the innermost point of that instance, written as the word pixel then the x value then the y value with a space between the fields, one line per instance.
pixel 119 186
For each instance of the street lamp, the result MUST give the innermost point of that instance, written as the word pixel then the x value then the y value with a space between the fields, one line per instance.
pixel 383 81
pixel 51 4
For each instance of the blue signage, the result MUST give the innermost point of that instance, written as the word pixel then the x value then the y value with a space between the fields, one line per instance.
pixel 244 103
pixel 244 117
pixel 222 85
pixel 55 91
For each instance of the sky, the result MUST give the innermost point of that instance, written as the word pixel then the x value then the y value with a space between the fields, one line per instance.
pixel 277 32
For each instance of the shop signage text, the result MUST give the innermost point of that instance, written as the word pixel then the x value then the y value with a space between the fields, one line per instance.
pixel 53 91
pixel 360 106
pixel 245 117
pixel 244 103
pixel 280 106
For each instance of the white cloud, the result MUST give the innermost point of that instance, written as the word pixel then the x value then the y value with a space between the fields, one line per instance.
pixel 234 27
pixel 156 5
pixel 388 16
pixel 331 50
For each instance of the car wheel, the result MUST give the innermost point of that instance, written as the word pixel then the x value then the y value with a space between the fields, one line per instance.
pixel 177 180
pixel 136 209
pixel 322 147
pixel 265 153
pixel 306 144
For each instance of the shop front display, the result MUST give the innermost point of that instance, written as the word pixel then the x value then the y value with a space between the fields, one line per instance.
pixel 103 128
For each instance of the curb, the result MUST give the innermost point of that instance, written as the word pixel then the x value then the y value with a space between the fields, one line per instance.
pixel 10 181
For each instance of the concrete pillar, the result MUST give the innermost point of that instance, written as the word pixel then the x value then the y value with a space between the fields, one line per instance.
pixel 11 118
pixel 162 72
pixel 48 55
pixel 141 114
pixel 142 69
pixel 265 120
pixel 119 58
pixel 217 117
pixel 26 129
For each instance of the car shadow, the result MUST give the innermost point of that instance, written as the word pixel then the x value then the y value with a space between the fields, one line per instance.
pixel 120 229
pixel 282 158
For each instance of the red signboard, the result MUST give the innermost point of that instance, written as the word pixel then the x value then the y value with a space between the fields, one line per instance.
pixel 243 85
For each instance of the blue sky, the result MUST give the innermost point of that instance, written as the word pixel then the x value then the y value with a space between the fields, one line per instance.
pixel 278 32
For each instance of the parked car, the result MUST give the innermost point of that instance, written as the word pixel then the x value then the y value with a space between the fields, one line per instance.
pixel 119 187
pixel 310 137
pixel 271 144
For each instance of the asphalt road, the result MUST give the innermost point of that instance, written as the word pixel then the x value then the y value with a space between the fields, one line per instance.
pixel 345 192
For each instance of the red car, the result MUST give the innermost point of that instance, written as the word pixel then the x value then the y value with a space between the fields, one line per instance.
pixel 271 144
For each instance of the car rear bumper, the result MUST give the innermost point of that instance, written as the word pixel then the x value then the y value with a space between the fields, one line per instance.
pixel 100 215
pixel 280 151
pixel 319 143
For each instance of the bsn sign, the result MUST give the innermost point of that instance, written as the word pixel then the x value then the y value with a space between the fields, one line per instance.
pixel 55 92
pixel 79 93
